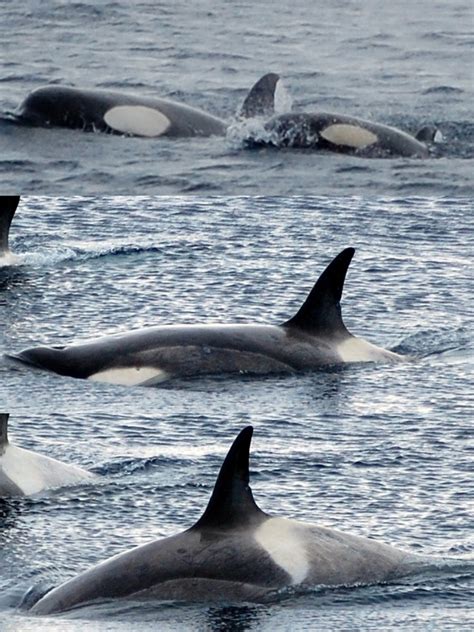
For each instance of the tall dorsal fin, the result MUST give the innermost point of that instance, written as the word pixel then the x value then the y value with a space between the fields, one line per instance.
pixel 260 101
pixel 231 504
pixel 3 430
pixel 321 312
pixel 8 206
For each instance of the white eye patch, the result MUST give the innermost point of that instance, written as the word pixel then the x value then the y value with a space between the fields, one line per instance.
pixel 349 135
pixel 137 120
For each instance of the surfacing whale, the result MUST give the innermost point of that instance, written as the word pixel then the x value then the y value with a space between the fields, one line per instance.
pixel 8 206
pixel 115 113
pixel 315 337
pixel 234 552
pixel 24 473
pixel 123 113
pixel 331 131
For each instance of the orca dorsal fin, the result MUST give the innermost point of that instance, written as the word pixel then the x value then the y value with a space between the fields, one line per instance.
pixel 321 312
pixel 3 430
pixel 260 101
pixel 427 134
pixel 231 504
pixel 8 206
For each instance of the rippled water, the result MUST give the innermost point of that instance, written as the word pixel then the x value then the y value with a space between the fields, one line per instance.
pixel 407 64
pixel 379 450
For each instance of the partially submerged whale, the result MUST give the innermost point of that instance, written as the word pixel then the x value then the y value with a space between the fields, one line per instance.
pixel 8 206
pixel 153 117
pixel 123 113
pixel 116 112
pixel 24 473
pixel 315 337
pixel 342 134
pixel 331 131
pixel 234 552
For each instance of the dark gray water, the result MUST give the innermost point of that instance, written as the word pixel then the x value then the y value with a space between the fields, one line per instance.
pixel 378 450
pixel 406 64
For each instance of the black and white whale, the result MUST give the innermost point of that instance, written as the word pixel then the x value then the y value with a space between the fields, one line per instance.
pixel 24 473
pixel 316 336
pixel 342 134
pixel 8 206
pixel 115 112
pixel 235 552
pixel 330 131
pixel 122 113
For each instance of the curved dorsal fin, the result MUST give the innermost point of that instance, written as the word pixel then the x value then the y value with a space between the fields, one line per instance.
pixel 260 101
pixel 8 206
pixel 3 430
pixel 231 504
pixel 321 312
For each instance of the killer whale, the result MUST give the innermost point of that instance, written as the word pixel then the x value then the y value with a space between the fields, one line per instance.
pixel 24 473
pixel 115 113
pixel 342 134
pixel 8 206
pixel 122 113
pixel 315 337
pixel 328 131
pixel 94 110
pixel 234 552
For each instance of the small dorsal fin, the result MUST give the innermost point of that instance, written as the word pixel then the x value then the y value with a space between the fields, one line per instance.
pixel 260 101
pixel 3 430
pixel 427 134
pixel 231 504
pixel 8 206
pixel 321 312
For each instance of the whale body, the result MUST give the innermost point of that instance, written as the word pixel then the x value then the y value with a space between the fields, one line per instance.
pixel 234 552
pixel 24 473
pixel 94 110
pixel 328 131
pixel 116 113
pixel 8 206
pixel 341 134
pixel 315 337
pixel 127 114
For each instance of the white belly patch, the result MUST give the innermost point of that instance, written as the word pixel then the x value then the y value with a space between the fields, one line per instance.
pixel 349 135
pixel 359 350
pixel 33 473
pixel 281 539
pixel 130 376
pixel 137 119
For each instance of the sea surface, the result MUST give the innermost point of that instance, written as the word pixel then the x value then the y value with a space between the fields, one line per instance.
pixel 378 450
pixel 401 63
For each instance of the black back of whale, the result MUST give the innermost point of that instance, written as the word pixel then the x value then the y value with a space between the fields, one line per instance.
pixel 224 557
pixel 85 109
pixel 8 206
pixel 217 548
pixel 305 130
pixel 270 349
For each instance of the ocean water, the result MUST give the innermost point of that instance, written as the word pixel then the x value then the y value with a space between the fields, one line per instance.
pixel 377 450
pixel 406 64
